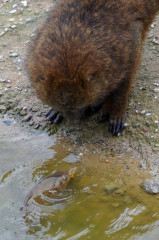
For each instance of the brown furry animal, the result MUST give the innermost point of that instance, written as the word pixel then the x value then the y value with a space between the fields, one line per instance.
pixel 86 54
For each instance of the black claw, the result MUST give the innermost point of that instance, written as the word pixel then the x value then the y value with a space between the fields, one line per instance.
pixel 116 126
pixel 52 116
pixel 58 119
pixel 48 113
pixel 122 124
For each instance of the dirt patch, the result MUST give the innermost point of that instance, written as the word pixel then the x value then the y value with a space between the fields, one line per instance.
pixel 140 139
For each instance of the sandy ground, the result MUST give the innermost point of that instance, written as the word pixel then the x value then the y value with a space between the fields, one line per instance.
pixel 140 139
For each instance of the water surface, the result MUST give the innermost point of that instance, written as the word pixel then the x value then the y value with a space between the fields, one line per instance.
pixel 85 210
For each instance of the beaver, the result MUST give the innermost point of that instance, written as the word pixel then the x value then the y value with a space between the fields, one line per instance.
pixel 85 56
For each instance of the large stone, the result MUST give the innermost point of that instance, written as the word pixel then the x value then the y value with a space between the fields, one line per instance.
pixel 151 185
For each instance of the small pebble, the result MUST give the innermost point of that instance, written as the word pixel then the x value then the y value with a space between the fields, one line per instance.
pixel 156 84
pixel 152 25
pixel 2 80
pixel 156 90
pixel 142 112
pixel 14 6
pixel 13 11
pixel 155 41
pixel 13 55
pixel 2 33
pixel 11 19
pixel 13 26
pixel 31 123
pixel 156 122
pixel 28 19
pixel 86 189
pixel 81 154
pixel 110 188
pixel 25 4
pixel 148 114
pixel 115 204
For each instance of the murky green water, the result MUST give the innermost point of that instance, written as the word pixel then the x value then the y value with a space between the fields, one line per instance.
pixel 103 201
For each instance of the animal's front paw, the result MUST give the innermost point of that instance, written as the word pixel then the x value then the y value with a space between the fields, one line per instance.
pixel 54 117
pixel 116 125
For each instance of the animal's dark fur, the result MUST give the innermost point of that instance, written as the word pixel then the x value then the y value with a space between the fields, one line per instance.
pixel 87 52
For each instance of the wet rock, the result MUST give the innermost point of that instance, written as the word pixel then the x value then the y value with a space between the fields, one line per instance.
pixel 120 192
pixel 71 159
pixel 86 189
pixel 110 188
pixel 151 185
pixel 104 199
pixel 115 204
pixel 127 200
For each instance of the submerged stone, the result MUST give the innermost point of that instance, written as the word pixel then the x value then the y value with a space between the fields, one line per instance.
pixel 110 188
pixel 115 204
pixel 151 185
pixel 71 159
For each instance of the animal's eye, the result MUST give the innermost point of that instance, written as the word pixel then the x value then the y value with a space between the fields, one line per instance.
pixel 43 78
pixel 91 77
